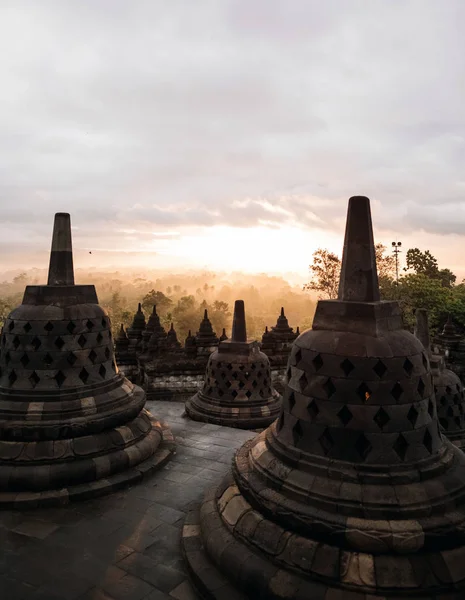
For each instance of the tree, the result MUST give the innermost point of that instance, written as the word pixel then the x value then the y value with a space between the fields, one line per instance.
pixel 421 262
pixel 385 263
pixel 153 297
pixel 325 271
pixel 220 316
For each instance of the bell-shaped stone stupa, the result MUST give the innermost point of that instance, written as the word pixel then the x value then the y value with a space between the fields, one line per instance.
pixel 448 388
pixel 137 328
pixel 237 391
pixel 353 493
pixel 71 426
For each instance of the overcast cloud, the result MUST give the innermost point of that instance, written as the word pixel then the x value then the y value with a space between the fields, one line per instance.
pixel 159 115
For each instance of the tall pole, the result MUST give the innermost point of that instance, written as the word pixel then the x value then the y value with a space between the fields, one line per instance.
pixel 396 249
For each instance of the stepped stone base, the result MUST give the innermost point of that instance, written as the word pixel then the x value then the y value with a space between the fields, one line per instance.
pixel 159 438
pixel 243 417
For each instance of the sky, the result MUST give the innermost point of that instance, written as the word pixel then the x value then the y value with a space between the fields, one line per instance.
pixel 229 134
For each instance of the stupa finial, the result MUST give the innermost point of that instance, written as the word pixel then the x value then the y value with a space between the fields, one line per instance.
pixel 205 314
pixel 282 311
pixel 239 332
pixel 139 307
pixel 359 277
pixel 60 271
pixel 421 330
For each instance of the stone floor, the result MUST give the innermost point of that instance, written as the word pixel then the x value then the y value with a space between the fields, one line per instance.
pixel 120 547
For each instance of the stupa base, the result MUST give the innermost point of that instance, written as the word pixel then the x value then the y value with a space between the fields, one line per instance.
pixel 245 417
pixel 160 437
pixel 275 563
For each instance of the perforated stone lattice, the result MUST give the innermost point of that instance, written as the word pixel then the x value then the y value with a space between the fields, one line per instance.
pixel 226 380
pixel 61 354
pixel 451 407
pixel 370 399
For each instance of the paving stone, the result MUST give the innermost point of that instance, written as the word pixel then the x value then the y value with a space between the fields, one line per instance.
pixel 128 588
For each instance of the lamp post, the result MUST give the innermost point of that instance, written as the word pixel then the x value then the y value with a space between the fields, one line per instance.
pixel 396 249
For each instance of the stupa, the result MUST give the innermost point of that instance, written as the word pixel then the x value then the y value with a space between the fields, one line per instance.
pixel 172 342
pixel 138 325
pixel 125 356
pixel 223 336
pixel 276 344
pixel 448 388
pixel 71 426
pixel 353 493
pixel 206 340
pixel 237 391
pixel 148 330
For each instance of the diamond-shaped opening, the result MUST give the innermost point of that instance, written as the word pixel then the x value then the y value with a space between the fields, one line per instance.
pixel 12 377
pixel 89 325
pixel 228 384
pixel 27 327
pixel 34 379
pixel 36 343
pixel 381 418
pixel 424 360
pixel 234 393
pixel 380 368
pixel 363 392
pixel 7 357
pixel 443 401
pixel 431 408
pixel 363 446
pixel 60 378
pixel 84 375
pixel 24 360
pixel 220 393
pixel 16 342
pixel 397 391
pixel 317 362
pixel 329 387
pixel 241 385
pixel 99 337
pixel 235 375
pixel 82 340
pixel 297 433
pixel 71 326
pixel 259 374
pixel 59 342
pixel 400 447
pixel 297 356
pixel 326 441
pixel 428 441
pixel 248 393
pixel 412 416
pixel 104 322
pixel 71 358
pixel 229 367
pixel 303 382
pixel 450 411
pixel 347 367
pixel 92 356
pixel 223 376
pixel 345 415
pixel 254 383
pixel 241 367
pixel 253 366
pixel 313 409
pixel 48 327
pixel 11 325
pixel 48 359
pixel 408 366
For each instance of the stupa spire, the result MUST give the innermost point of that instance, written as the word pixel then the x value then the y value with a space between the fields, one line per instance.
pixel 421 329
pixel 239 331
pixel 359 277
pixel 60 271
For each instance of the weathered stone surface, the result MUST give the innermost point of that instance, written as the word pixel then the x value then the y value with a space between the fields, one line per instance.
pixel 67 415
pixel 237 389
pixel 353 491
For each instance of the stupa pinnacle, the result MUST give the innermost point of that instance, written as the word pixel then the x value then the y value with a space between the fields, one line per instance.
pixel 71 425
pixel 353 492
pixel 237 390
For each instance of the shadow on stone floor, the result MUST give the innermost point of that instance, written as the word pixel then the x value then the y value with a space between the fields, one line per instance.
pixel 125 546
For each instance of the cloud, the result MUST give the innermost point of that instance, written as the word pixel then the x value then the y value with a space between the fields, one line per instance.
pixel 153 115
